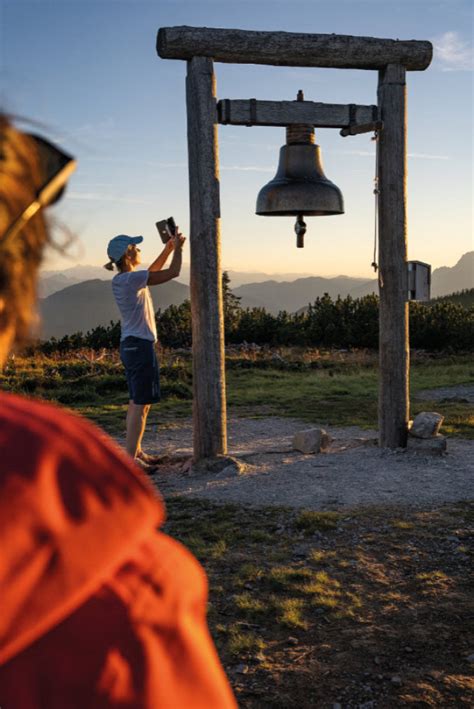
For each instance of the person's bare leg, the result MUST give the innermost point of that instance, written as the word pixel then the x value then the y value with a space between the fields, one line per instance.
pixel 146 411
pixel 136 422
pixel 130 404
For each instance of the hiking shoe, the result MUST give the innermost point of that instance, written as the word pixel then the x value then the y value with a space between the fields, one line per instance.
pixel 145 467
pixel 153 460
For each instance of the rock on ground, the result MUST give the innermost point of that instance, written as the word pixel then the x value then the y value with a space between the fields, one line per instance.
pixel 426 424
pixel 312 440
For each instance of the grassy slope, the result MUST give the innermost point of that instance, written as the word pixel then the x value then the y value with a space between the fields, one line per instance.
pixel 339 389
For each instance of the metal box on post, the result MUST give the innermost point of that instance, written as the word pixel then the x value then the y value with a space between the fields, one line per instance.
pixel 419 280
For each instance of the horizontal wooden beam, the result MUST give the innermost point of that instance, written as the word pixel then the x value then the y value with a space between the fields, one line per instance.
pixel 250 112
pixel 292 48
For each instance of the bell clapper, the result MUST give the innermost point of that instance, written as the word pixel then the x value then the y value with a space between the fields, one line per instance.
pixel 300 229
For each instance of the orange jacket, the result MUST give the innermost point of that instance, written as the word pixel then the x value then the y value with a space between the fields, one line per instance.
pixel 79 547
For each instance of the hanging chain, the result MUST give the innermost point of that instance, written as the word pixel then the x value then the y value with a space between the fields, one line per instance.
pixel 375 138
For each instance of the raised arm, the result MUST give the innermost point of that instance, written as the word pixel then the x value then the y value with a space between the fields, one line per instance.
pixel 160 261
pixel 157 277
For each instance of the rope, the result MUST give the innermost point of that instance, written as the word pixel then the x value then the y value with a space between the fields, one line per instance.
pixel 374 263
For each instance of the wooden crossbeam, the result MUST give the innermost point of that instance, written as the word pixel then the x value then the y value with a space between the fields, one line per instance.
pixel 250 112
pixel 292 48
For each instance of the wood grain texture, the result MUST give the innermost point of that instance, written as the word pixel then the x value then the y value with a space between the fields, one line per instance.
pixel 292 48
pixel 241 112
pixel 209 405
pixel 393 276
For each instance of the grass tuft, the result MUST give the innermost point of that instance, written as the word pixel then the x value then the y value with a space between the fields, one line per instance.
pixel 309 522
pixel 321 556
pixel 402 524
pixel 241 642
pixel 290 612
pixel 284 577
pixel 249 604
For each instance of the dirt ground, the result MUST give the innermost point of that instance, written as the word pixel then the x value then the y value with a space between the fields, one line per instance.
pixel 366 610
pixel 378 598
pixel 354 472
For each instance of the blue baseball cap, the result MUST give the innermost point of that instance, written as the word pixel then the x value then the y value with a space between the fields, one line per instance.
pixel 119 244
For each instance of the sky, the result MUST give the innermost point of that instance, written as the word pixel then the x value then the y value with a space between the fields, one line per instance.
pixel 88 74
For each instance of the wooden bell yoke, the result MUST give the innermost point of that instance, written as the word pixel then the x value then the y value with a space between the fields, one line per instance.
pixel 200 47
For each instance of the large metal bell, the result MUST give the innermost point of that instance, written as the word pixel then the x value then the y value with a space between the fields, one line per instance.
pixel 300 186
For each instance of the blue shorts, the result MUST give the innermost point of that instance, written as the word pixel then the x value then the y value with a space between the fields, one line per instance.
pixel 142 370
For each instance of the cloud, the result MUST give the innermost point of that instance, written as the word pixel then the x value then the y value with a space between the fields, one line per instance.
pixel 246 168
pixel 88 136
pixel 360 153
pixel 84 185
pixel 453 53
pixel 179 165
pixel 371 154
pixel 424 156
pixel 105 129
pixel 99 197
pixel 105 159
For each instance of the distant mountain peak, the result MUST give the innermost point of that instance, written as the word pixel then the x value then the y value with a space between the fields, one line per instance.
pixel 451 279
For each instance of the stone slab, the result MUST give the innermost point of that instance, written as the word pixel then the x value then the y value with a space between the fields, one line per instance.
pixel 436 445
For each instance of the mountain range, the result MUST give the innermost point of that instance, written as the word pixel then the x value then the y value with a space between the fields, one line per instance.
pixel 80 306
pixel 86 305
pixel 52 281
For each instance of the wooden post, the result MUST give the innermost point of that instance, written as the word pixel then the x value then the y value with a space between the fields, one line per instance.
pixel 393 277
pixel 209 406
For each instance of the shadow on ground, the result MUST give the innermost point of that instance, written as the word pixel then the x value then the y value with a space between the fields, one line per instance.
pixel 363 609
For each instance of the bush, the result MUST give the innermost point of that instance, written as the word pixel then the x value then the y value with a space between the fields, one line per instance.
pixel 174 325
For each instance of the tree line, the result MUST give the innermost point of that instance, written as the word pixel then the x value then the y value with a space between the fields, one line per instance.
pixel 347 323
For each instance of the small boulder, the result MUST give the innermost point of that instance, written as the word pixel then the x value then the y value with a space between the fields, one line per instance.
pixel 220 464
pixel 313 440
pixel 428 446
pixel 426 424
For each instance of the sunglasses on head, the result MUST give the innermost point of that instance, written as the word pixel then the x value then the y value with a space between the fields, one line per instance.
pixel 57 167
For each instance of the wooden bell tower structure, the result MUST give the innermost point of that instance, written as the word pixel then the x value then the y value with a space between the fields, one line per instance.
pixel 201 47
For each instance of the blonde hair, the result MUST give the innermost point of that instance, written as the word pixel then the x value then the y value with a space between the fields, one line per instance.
pixel 21 176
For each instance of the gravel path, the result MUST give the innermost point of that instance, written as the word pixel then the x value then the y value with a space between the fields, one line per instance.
pixel 354 472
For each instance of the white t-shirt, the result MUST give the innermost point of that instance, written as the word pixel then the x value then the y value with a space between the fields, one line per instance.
pixel 134 301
